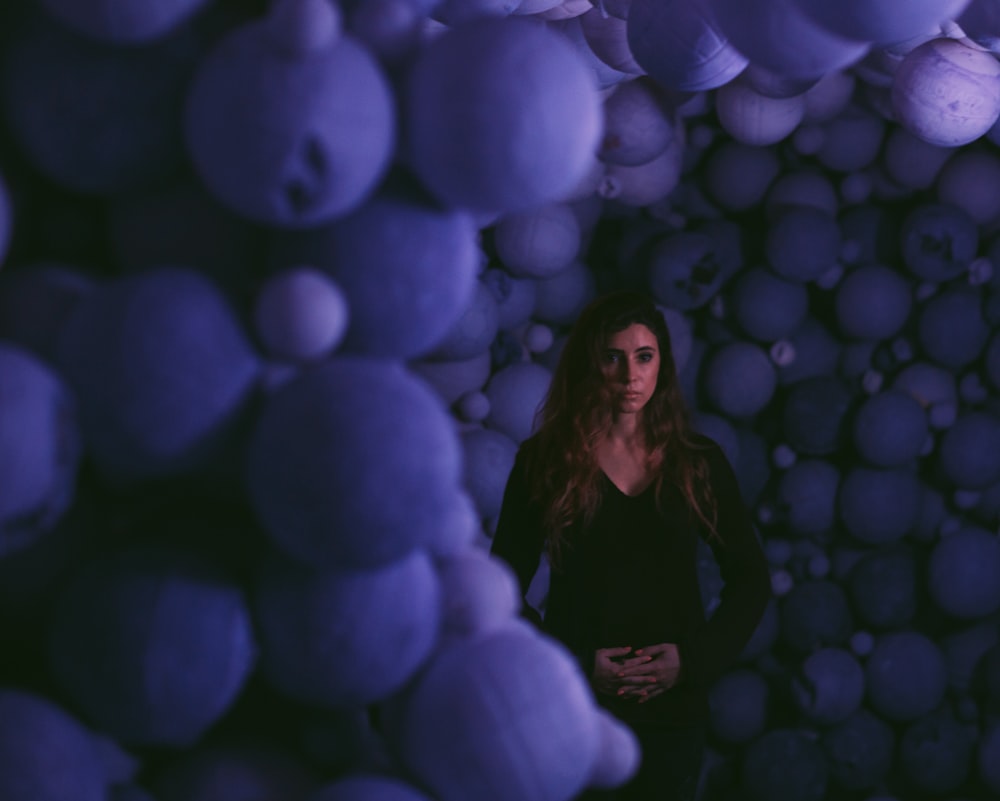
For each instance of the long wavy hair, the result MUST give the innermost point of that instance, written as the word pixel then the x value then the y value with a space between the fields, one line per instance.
pixel 562 468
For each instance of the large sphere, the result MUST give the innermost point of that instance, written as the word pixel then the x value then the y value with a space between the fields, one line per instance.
pixel 814 415
pixel 964 573
pixel 738 706
pixel 785 765
pixel 879 506
pixel 355 446
pixel 882 21
pixel 935 754
pixel 124 626
pixel 873 302
pixel 122 21
pixel 815 614
pixel 290 133
pixel 769 307
pixel 883 587
pixel 829 686
pixel 334 659
pixel 906 676
pixel 938 241
pixel 807 496
pixel 890 429
pixel 502 115
pixel 684 270
pixel 953 328
pixel 859 751
pixel 161 370
pixel 947 93
pixel 969 452
pixel 740 379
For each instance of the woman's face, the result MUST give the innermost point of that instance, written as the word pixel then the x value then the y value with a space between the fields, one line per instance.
pixel 631 364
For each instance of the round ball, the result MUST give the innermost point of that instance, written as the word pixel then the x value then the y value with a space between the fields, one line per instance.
pixel 969 181
pixel 354 446
pixel 740 379
pixel 814 415
pixel 953 330
pixel 738 706
pixel 516 393
pixel 784 765
pixel 768 307
pixel 859 751
pixel 829 686
pixel 807 496
pixel 538 243
pixel 754 118
pixel 803 243
pixel 873 302
pixel 815 614
pixel 301 315
pixel 334 659
pixel 938 241
pixel 502 115
pixel 964 573
pixel 906 676
pixel 127 621
pixel 947 93
pixel 879 506
pixel 969 451
pixel 883 587
pixel 684 271
pixel 122 21
pixel 488 457
pixel 890 429
pixel 935 754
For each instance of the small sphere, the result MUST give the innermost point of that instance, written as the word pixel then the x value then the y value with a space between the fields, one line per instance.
pixel 301 315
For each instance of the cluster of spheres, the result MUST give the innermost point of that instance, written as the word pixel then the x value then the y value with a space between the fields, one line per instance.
pixel 283 284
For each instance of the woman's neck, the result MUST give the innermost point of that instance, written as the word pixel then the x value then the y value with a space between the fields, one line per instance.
pixel 626 432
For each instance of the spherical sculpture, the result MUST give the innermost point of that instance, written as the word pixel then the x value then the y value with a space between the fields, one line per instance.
pixel 321 631
pixel 699 56
pixel 829 686
pixel 740 379
pixel 807 496
pixel 685 272
pixel 41 449
pixel 289 123
pixel 947 93
pixel 879 506
pixel 964 573
pixel 516 393
pixel 300 315
pixel 952 327
pixel 803 243
pixel 769 307
pixel 153 644
pixel 539 243
pixel 873 302
pixel 502 115
pixel 938 241
pixel 354 446
pixel 122 21
pixel 755 119
pixel 161 371
pixel 488 459
pixel 906 676
pixel 33 730
pixel 890 429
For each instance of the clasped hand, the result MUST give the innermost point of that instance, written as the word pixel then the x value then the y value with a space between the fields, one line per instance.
pixel 640 673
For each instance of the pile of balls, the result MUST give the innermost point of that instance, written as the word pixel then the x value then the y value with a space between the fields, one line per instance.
pixel 283 285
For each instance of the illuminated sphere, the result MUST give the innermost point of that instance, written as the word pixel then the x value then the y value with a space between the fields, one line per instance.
pixel 946 93
pixel 355 445
pixel 964 573
pixel 740 379
pixel 906 676
pixel 699 56
pixel 502 115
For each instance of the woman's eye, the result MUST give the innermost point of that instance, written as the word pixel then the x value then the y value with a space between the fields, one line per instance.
pixel 645 357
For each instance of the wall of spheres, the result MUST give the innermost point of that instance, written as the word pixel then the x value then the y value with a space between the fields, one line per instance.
pixel 283 284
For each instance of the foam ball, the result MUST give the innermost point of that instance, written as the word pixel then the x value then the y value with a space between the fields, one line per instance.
pixel 638 123
pixel 815 352
pixel 538 243
pixel 606 35
pixel 488 457
pixel 802 243
pixel 931 386
pixel 935 754
pixel 801 188
pixel 879 506
pixel 814 415
pixel 355 445
pixel 233 770
pixel 859 751
pixel 829 96
pixel 699 57
pixel 684 271
pixel 473 330
pixel 906 676
pixel 407 268
pixel 479 720
pixel 453 380
pixel 560 299
pixel 768 307
pixel 41 449
pixel 780 37
pixel 33 730
pixel 367 788
pixel 911 162
pixel 754 118
pixel 647 183
pixel 890 429
pixel 939 241
pixel 478 142
pixel 872 302
pixel 122 21
pixel 738 706
pixel 883 587
pixel 829 686
pixel 737 175
pixel 516 393
pixel 852 140
pixel 954 116
pixel 953 330
pixel 479 593
pixel 964 573
pixel 815 614
pixel 124 625
pixel 969 181
pixel 807 495
pixel 161 370
pixel 883 21
pixel 784 765
pixel 515 297
pixel 287 122
pixel 136 138
pixel 320 632
pixel 604 76
pixel 301 315
pixel 739 379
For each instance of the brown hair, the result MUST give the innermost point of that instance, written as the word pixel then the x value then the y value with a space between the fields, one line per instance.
pixel 562 470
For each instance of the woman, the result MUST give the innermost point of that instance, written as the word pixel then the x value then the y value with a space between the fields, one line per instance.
pixel 616 489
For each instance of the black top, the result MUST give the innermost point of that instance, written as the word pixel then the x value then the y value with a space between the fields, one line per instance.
pixel 630 579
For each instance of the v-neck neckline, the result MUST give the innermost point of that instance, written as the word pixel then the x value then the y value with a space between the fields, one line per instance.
pixel 622 492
